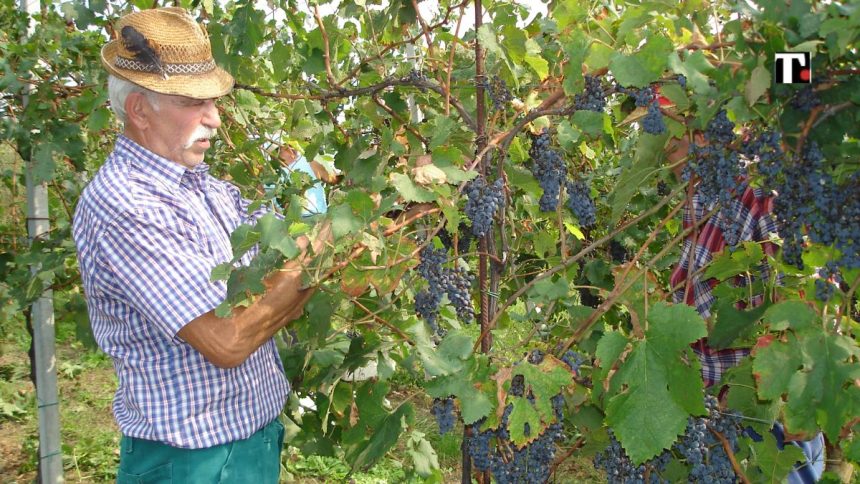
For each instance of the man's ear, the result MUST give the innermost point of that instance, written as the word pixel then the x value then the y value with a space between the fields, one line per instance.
pixel 137 110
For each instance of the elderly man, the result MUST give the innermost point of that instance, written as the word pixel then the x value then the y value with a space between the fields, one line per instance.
pixel 199 396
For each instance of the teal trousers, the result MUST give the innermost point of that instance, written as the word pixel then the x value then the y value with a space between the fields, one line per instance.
pixel 255 460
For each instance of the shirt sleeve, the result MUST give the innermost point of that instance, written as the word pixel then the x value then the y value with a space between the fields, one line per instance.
pixel 162 270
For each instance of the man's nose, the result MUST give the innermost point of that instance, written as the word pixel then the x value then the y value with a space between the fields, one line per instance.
pixel 211 117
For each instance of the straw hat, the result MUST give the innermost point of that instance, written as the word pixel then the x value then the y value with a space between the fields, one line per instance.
pixel 165 50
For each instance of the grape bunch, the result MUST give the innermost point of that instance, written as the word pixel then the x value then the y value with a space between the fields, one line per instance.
pixel 812 204
pixel 642 97
pixel 653 122
pixel 549 169
pixel 455 283
pixel 464 238
pixel 580 203
pixel 498 91
pixel 491 449
pixel 682 81
pixel 443 411
pixel 427 307
pixel 593 98
pixel 805 99
pixel 483 203
pixel 720 129
pixel 573 359
pixel 699 447
pixel 718 166
pixel 620 470
pixel 703 451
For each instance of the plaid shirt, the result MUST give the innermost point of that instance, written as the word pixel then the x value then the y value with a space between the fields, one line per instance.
pixel 753 209
pixel 148 233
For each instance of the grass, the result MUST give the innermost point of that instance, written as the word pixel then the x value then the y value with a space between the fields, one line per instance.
pixel 90 436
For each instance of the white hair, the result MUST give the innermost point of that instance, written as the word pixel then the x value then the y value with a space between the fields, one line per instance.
pixel 119 89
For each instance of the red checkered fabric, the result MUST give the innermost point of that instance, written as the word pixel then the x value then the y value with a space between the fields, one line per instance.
pixel 753 209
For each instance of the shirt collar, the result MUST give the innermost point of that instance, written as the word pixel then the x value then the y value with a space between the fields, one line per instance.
pixel 160 169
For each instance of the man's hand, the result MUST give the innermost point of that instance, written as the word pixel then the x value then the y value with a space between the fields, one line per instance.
pixel 228 342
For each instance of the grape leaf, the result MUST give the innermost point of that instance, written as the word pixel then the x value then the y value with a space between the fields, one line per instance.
pixel 757 85
pixel 424 458
pixel 731 263
pixel 789 314
pixel 343 221
pixel 816 370
pixel 774 363
pixel 643 167
pixel 524 413
pixel 274 233
pixel 732 323
pixel 409 190
pixel 656 389
pixel 773 463
pixel 384 437
pixel 474 403
pixel 545 381
pixel 632 70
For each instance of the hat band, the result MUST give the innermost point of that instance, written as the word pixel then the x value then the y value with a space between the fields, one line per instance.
pixel 184 69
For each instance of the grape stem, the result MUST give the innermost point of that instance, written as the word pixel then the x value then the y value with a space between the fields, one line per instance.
pixel 728 448
pixel 807 127
pixel 326 54
pixel 580 442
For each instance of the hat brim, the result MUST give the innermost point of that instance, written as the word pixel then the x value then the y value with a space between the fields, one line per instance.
pixel 210 85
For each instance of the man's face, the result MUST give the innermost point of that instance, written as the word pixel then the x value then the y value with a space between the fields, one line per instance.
pixel 181 128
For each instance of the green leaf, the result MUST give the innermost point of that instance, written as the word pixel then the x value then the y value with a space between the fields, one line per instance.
pixel 696 68
pixel 731 263
pixel 773 463
pixel 456 346
pixel 549 290
pixel 545 381
pixel 441 131
pixel 424 458
pixel 385 435
pixel 589 122
pixel 732 323
pixel 343 221
pixel 632 70
pixel 410 191
pixel 474 404
pixel 43 165
pixel 655 54
pixel 537 63
pixel 243 239
pixel 742 395
pixel 658 388
pixel 644 167
pixel 221 272
pixel 790 314
pixel 274 233
pixel 815 371
pixel 523 413
pixel 757 85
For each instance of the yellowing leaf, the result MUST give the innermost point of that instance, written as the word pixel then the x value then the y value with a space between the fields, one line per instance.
pixel 429 175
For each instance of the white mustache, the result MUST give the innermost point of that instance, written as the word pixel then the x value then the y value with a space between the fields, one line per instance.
pixel 201 132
